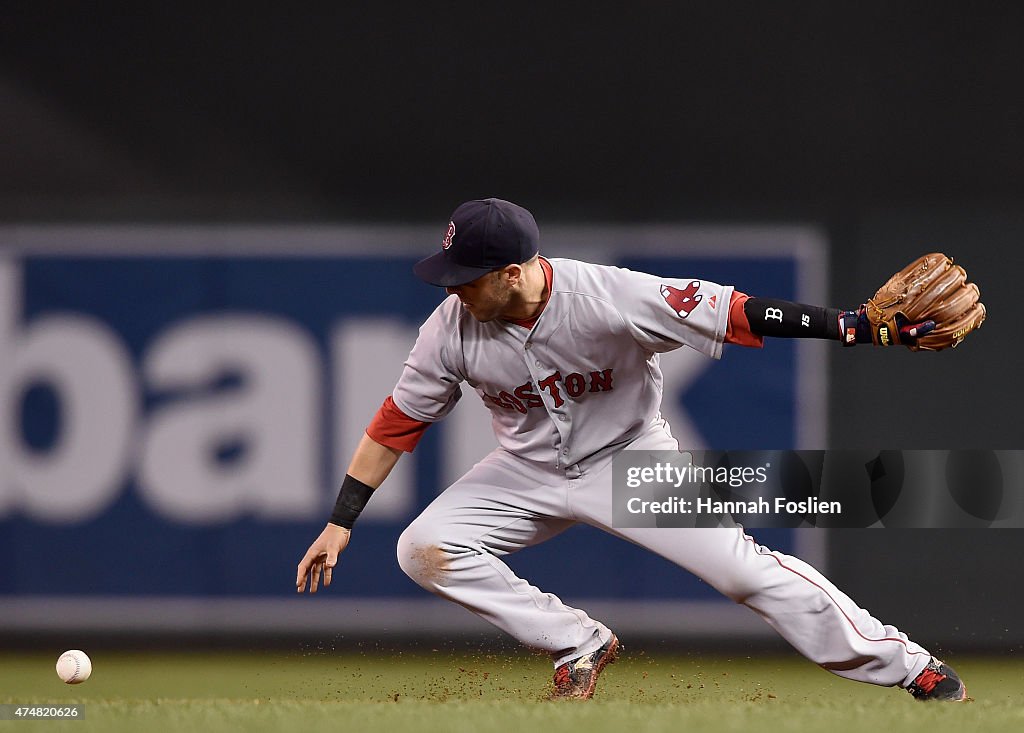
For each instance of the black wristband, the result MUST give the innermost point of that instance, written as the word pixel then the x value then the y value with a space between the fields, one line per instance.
pixel 784 319
pixel 351 499
pixel 854 328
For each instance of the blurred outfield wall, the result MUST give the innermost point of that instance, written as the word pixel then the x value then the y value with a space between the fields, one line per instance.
pixel 178 405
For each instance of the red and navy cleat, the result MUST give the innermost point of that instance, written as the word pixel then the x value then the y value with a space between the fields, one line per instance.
pixel 938 681
pixel 577 678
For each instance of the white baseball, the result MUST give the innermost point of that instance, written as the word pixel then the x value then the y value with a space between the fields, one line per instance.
pixel 74 666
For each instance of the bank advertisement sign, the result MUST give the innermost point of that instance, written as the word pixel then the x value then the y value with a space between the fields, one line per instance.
pixel 178 406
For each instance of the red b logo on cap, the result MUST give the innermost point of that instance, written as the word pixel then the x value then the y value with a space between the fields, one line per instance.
pixel 447 241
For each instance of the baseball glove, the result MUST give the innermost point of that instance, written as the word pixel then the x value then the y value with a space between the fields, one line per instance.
pixel 926 306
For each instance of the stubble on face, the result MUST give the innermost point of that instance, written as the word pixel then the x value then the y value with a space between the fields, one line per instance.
pixel 486 298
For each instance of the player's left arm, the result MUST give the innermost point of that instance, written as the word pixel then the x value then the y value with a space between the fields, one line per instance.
pixel 927 306
pixel 752 318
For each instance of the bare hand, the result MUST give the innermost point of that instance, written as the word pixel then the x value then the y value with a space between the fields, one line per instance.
pixel 321 557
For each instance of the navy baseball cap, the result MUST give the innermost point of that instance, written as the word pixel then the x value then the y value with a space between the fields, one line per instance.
pixel 483 235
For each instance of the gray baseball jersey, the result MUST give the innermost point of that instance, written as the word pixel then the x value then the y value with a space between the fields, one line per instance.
pixel 585 380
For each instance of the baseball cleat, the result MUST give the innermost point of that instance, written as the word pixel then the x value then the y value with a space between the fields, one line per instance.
pixel 938 681
pixel 577 678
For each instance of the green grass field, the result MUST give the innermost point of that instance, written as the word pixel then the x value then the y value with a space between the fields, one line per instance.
pixel 454 692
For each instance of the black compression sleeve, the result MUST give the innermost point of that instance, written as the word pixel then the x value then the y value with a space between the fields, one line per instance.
pixel 782 318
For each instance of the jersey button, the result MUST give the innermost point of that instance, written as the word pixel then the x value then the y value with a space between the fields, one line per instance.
pixel 539 364
pixel 563 418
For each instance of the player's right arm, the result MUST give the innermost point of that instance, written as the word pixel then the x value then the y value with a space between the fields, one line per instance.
pixel 371 464
pixel 427 391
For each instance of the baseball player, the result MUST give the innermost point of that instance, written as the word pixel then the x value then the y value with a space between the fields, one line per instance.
pixel 564 354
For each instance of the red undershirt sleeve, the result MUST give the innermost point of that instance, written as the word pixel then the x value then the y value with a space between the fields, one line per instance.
pixel 394 429
pixel 738 331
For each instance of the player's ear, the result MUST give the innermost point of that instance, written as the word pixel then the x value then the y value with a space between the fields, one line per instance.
pixel 512 273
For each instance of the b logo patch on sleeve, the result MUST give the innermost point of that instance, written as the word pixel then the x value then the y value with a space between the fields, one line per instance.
pixel 682 301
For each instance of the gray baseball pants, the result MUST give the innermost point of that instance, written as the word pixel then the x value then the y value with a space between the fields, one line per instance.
pixel 503 504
